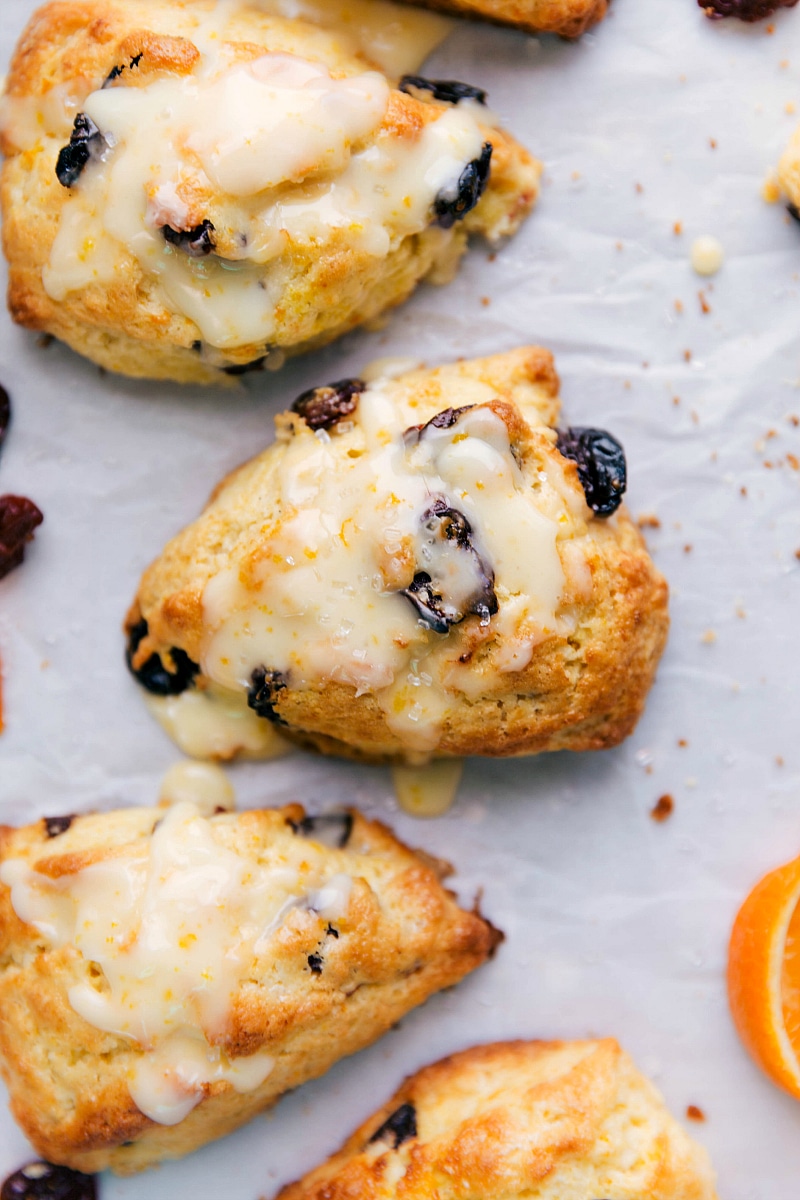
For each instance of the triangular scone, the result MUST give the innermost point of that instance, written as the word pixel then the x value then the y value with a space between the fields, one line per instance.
pixel 412 570
pixel 514 1120
pixel 569 18
pixel 196 968
pixel 195 188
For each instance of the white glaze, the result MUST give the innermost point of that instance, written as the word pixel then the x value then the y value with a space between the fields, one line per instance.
pixel 323 600
pixel 203 784
pixel 173 924
pixel 216 723
pixel 288 153
pixel 427 791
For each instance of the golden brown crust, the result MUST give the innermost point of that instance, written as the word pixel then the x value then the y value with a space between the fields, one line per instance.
pixel 540 1120
pixel 569 18
pixel 126 324
pixel 402 938
pixel 582 690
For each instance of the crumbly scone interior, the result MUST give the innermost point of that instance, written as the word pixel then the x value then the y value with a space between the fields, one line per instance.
pixel 540 1120
pixel 231 184
pixel 167 972
pixel 417 553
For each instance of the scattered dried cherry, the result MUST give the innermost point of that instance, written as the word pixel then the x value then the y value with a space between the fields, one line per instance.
pixel 5 413
pixel 331 829
pixel 453 204
pixel 43 1181
pixel 255 364
pixel 315 962
pixel 601 466
pixel 745 10
pixel 152 674
pixel 793 211
pixel 53 826
pixel 322 407
pixel 262 696
pixel 86 143
pixel 400 1127
pixel 448 90
pixel 18 519
pixel 197 242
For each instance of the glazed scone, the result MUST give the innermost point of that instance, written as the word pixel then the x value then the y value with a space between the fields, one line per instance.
pixel 569 18
pixel 412 571
pixel 193 188
pixel 539 1120
pixel 165 974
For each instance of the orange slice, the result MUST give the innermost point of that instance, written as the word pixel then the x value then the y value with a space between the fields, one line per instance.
pixel 764 975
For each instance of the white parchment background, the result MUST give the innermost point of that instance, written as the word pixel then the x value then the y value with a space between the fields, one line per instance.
pixel 616 924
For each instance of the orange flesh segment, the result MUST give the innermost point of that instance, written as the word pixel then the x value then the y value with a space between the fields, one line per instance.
pixel 763 982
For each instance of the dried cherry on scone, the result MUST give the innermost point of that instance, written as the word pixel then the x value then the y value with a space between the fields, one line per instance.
pixel 421 565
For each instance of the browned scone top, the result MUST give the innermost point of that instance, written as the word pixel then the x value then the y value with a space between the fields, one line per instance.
pixel 569 18
pixel 539 1120
pixel 316 987
pixel 564 662
pixel 175 250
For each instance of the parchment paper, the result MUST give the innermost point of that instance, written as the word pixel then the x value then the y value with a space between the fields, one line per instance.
pixel 616 924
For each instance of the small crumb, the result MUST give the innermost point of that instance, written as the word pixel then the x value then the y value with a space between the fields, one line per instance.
pixel 707 255
pixel 789 108
pixel 770 189
pixel 637 187
pixel 783 64
pixel 687 356
pixel 682 742
pixel 678 306
pixel 712 143
pixel 663 809
pixel 694 1113
pixel 485 301
pixel 771 433
pixel 768 464
pixel 769 30
pixel 713 456
pixel 620 246
pixel 709 637
pixel 797 553
pixel 648 521
pixel 793 461
pixel 741 612
pixel 778 760
pixel 645 366
pixel 627 384
pixel 742 490
pixel 793 420
pixel 575 175
pixel 695 417
pixel 705 307
pixel 44 340
pixel 492 256
pixel 676 400
pixel 687 549
pixel 677 228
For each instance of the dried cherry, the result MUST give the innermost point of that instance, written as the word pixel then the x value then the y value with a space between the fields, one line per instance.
pixel 400 1127
pixel 322 407
pixel 152 674
pixel 448 90
pixel 331 829
pixel 445 527
pixel 443 420
pixel 18 519
pixel 53 826
pixel 197 242
pixel 262 696
pixel 601 466
pixel 86 143
pixel 745 10
pixel 452 205
pixel 43 1181
pixel 5 413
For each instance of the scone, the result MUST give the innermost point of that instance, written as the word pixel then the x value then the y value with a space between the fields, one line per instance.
pixel 539 1120
pixel 165 975
pixel 570 18
pixel 789 174
pixel 419 567
pixel 194 188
